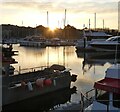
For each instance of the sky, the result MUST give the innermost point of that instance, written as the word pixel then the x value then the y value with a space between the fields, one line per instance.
pixel 34 12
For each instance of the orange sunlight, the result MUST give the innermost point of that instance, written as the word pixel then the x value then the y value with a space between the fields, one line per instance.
pixel 52 28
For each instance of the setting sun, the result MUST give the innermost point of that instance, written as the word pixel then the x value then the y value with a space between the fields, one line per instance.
pixel 52 28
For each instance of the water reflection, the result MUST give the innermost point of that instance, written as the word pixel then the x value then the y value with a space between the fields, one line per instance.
pixel 99 58
pixel 32 57
pixel 95 63
pixel 96 58
pixel 45 102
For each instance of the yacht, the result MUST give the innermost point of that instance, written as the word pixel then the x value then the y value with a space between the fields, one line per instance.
pixel 89 37
pixel 111 44
pixel 33 41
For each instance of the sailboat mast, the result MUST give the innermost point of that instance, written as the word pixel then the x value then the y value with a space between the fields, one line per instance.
pixel 65 18
pixel 95 22
pixel 47 19
pixel 118 16
pixel 22 22
pixel 103 23
pixel 89 24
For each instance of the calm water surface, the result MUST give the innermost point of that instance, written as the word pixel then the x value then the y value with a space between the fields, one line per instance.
pixel 88 67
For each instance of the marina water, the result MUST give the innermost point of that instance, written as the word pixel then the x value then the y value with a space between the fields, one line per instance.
pixel 88 70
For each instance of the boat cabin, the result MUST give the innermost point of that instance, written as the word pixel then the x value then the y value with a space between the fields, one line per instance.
pixel 107 90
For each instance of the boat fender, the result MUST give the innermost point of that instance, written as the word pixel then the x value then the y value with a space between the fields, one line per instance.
pixel 39 82
pixel 54 82
pixel 30 87
pixel 47 82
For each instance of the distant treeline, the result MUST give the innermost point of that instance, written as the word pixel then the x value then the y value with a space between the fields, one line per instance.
pixel 69 32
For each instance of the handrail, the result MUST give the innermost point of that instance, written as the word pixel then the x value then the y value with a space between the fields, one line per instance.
pixel 89 92
pixel 30 69
pixel 108 100
pixel 86 102
pixel 86 94
pixel 34 69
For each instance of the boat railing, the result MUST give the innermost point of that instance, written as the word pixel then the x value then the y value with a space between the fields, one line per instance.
pixel 107 100
pixel 98 40
pixel 85 96
pixel 30 41
pixel 33 69
pixel 88 92
pixel 85 99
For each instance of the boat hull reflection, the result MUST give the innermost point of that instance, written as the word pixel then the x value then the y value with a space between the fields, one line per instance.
pixel 44 102
pixel 99 58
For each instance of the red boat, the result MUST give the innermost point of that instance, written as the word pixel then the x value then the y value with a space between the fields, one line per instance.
pixel 107 91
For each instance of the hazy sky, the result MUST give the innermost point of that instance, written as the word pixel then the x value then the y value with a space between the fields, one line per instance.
pixel 33 12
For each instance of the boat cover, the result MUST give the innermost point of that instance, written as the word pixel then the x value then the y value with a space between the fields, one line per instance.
pixel 108 84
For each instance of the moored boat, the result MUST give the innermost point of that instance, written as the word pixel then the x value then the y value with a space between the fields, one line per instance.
pixel 26 85
pixel 33 41
pixel 88 38
pixel 107 91
pixel 39 81
pixel 111 44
